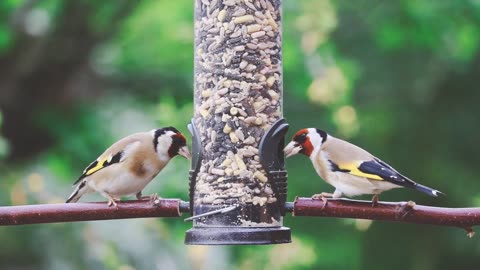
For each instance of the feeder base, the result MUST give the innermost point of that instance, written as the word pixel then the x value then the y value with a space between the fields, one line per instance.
pixel 237 236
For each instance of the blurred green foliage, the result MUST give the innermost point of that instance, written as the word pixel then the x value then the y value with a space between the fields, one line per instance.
pixel 397 77
pixel 3 142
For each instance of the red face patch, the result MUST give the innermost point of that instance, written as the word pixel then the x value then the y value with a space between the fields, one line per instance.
pixel 307 147
pixel 301 137
pixel 180 136
pixel 178 141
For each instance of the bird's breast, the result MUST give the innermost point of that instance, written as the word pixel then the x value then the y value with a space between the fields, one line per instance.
pixel 125 180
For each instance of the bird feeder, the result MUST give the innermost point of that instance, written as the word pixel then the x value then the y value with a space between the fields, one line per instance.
pixel 238 183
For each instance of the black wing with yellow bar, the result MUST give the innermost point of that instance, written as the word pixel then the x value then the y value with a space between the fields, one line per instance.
pixel 386 172
pixel 99 164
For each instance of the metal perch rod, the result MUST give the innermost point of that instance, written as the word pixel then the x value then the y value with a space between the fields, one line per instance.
pixel 388 211
pixel 63 212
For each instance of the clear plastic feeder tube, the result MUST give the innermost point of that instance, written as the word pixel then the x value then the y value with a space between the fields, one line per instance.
pixel 237 97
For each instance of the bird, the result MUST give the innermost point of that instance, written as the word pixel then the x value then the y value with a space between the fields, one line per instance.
pixel 347 167
pixel 127 166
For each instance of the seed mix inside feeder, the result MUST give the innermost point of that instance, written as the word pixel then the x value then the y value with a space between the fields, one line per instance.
pixel 238 181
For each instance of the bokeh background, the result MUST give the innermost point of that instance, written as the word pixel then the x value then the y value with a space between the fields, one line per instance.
pixel 399 78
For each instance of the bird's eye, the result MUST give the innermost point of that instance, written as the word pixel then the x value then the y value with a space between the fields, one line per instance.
pixel 301 138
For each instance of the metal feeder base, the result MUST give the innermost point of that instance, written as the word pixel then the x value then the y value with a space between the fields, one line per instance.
pixel 237 236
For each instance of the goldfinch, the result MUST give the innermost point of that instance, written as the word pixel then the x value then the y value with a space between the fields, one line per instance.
pixel 127 166
pixel 350 169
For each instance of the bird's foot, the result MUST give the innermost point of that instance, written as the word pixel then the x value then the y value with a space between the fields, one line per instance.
pixel 375 200
pixel 324 197
pixel 152 197
pixel 112 202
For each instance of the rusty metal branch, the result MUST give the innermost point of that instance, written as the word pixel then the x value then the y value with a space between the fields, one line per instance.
pixel 50 213
pixel 389 211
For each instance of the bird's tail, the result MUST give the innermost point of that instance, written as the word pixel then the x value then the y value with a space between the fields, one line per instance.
pixel 78 192
pixel 429 191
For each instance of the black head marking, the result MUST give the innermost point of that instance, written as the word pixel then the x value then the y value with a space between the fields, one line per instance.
pixel 323 134
pixel 161 131
pixel 178 140
pixel 300 138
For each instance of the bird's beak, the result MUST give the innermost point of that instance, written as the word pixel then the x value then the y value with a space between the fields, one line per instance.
pixel 184 152
pixel 292 148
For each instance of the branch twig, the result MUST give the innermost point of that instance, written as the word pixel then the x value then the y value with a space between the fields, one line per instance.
pixel 50 213
pixel 399 211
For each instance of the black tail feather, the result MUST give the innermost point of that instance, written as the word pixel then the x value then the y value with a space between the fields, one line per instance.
pixel 77 193
pixel 429 191
pixel 72 197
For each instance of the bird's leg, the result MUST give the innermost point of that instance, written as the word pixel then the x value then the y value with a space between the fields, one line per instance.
pixel 323 196
pixel 111 202
pixel 111 199
pixel 375 200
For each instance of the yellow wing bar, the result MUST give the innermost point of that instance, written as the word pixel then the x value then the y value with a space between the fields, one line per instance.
pixel 353 168
pixel 97 165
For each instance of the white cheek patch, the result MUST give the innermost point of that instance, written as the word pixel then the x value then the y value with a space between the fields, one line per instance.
pixel 315 138
pixel 164 142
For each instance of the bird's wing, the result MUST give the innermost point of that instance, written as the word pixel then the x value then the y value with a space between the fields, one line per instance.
pixel 116 153
pixel 100 163
pixel 374 169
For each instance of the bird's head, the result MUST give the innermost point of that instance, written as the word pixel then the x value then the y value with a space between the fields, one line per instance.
pixel 169 142
pixel 305 141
